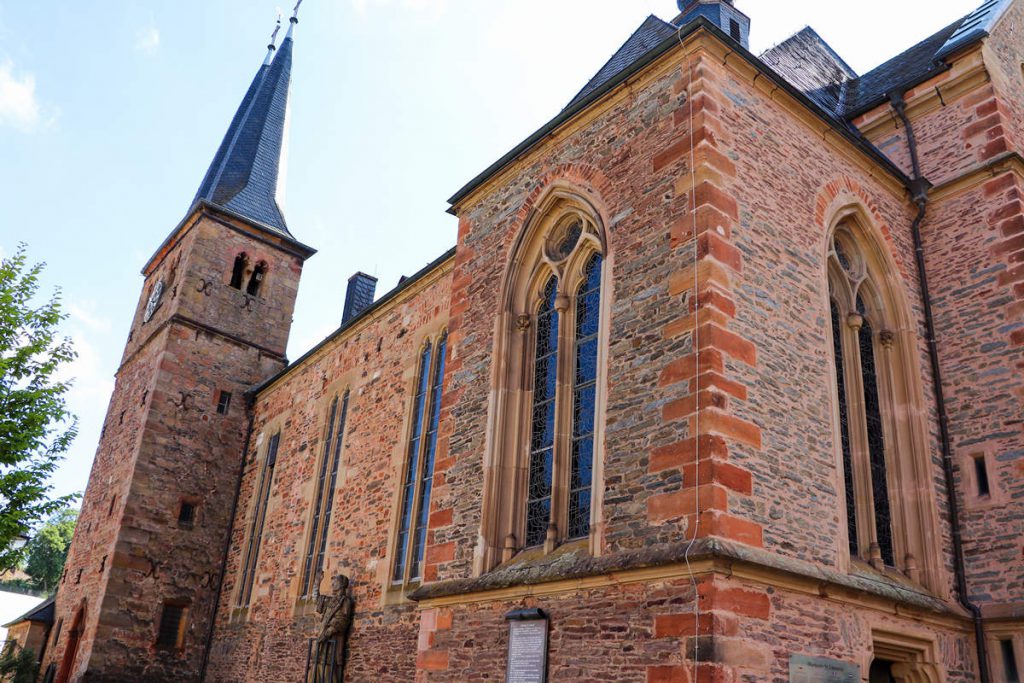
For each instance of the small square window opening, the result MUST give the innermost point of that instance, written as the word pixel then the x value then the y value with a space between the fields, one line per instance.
pixel 186 515
pixel 223 402
pixel 981 477
pixel 171 634
pixel 734 29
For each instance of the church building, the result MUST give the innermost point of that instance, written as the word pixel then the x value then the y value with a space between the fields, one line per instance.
pixel 721 382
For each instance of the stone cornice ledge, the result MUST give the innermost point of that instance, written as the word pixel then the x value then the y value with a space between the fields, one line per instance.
pixel 578 570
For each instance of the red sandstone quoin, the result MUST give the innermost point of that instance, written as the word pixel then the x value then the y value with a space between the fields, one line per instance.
pixel 673 386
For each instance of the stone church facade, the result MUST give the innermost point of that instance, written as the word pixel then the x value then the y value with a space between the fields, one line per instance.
pixel 723 378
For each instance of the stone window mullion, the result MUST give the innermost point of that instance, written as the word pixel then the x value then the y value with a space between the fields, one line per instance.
pixel 563 421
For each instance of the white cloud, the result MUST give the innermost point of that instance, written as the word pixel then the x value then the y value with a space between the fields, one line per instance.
pixel 85 313
pixel 18 104
pixel 147 40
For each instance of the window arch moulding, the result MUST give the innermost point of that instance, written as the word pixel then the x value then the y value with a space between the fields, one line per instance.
pixel 564 242
pixel 884 440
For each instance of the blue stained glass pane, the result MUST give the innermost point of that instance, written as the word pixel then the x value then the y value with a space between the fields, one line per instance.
pixel 413 461
pixel 594 273
pixel 588 311
pixel 545 378
pixel 427 478
pixel 590 304
pixel 540 473
pixel 582 463
pixel 586 361
pixel 584 413
pixel 579 513
pixel 538 515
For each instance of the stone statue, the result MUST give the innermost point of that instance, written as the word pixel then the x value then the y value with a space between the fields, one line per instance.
pixel 335 610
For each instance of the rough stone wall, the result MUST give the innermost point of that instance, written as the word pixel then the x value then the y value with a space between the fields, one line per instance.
pixel 1004 57
pixel 781 298
pixel 163 443
pixel 978 312
pixel 648 632
pixel 377 362
pixel 756 397
pixel 86 573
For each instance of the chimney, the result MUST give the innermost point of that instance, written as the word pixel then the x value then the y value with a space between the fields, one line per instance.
pixel 359 296
pixel 721 13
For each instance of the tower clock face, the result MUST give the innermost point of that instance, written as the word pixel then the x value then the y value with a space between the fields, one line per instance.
pixel 154 301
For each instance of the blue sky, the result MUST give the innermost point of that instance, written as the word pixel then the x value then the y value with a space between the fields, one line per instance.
pixel 111 111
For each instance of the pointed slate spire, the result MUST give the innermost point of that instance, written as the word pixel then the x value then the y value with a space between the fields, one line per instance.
pixel 246 176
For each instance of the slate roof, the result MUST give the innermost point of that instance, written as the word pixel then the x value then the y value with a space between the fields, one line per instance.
pixel 42 613
pixel 813 67
pixel 820 74
pixel 651 33
pixel 244 174
pixel 915 65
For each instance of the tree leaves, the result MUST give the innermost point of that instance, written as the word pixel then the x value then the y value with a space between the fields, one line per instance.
pixel 36 428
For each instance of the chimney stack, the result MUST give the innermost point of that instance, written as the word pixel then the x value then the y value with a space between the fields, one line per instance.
pixel 721 13
pixel 359 295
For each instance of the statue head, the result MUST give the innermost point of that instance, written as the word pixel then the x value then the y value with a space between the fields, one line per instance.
pixel 339 584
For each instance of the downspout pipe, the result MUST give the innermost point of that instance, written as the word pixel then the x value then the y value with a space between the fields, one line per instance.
pixel 250 405
pixel 919 189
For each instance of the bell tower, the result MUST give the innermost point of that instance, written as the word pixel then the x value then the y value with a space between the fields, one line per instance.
pixel 137 597
pixel 721 13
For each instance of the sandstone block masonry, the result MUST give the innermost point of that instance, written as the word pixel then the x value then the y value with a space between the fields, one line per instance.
pixel 172 438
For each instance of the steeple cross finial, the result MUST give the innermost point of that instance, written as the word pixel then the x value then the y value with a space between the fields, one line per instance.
pixel 273 36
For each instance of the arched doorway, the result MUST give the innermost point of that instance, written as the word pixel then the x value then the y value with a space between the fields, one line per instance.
pixel 71 650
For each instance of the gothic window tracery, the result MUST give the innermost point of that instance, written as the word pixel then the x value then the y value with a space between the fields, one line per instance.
pixel 543 487
pixel 881 441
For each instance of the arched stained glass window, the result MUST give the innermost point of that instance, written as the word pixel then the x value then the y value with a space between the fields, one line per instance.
pixel 581 473
pixel 412 464
pixel 429 457
pixel 876 440
pixel 542 424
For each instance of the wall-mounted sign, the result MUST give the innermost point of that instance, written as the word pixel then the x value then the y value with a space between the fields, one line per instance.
pixel 527 646
pixel 803 669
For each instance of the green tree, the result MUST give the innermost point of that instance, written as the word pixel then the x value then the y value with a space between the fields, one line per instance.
pixel 18 665
pixel 36 428
pixel 48 549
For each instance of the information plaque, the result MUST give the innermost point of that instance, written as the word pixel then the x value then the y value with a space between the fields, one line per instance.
pixel 527 647
pixel 803 669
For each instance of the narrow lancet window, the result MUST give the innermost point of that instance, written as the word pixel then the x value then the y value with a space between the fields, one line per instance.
pixel 327 479
pixel 876 441
pixel 412 465
pixel 429 457
pixel 844 432
pixel 256 280
pixel 581 474
pixel 542 436
pixel 258 519
pixel 238 272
